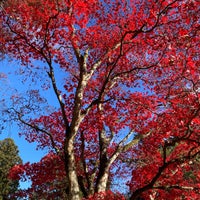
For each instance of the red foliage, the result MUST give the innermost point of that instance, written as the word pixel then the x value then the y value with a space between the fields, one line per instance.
pixel 108 195
pixel 129 101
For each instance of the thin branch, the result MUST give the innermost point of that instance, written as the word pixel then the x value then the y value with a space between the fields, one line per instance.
pixel 120 147
pixel 168 7
pixel 58 95
pixel 37 128
pixel 175 187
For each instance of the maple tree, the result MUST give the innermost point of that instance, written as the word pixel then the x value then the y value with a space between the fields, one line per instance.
pixel 129 100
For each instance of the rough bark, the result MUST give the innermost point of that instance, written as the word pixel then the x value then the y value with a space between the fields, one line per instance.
pixel 73 190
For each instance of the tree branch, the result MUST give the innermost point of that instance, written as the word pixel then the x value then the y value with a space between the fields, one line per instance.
pixel 165 164
pixel 38 129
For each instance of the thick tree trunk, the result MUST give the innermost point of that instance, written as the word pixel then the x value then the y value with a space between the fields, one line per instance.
pixel 70 168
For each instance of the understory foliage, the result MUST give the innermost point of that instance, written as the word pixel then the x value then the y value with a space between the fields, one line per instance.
pixel 123 114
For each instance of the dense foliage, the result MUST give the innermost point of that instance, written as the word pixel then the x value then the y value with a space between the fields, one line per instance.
pixel 8 158
pixel 126 80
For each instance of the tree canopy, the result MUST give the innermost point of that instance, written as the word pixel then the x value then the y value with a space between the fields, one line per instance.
pixel 125 76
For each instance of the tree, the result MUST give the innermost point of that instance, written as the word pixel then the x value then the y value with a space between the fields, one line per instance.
pixel 129 98
pixel 8 158
pixel 46 177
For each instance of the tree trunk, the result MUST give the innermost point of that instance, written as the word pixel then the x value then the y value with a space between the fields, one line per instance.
pixel 73 189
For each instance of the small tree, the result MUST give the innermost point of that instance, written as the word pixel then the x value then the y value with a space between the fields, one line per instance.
pixel 8 158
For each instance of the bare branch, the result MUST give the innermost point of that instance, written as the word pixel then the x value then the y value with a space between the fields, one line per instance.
pixel 38 129
pixel 58 95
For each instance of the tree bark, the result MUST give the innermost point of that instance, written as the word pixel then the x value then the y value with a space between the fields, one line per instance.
pixel 73 190
pixel 102 185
